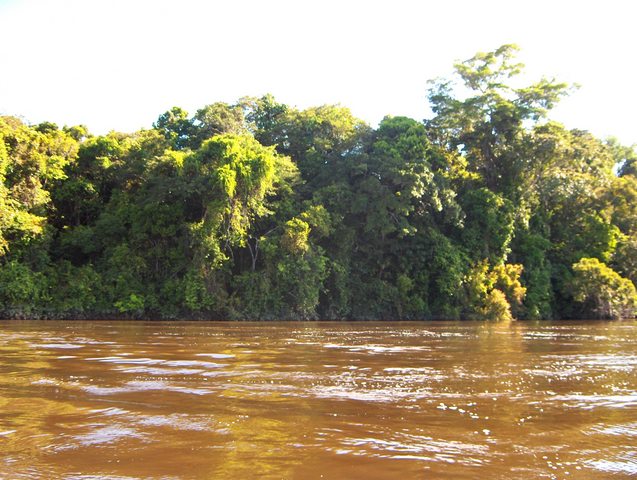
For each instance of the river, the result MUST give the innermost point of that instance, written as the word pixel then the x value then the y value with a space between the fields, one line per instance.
pixel 159 400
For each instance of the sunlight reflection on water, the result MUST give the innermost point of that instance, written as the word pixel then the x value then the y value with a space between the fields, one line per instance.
pixel 285 400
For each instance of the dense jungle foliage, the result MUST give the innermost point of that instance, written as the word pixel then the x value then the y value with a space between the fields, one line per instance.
pixel 257 210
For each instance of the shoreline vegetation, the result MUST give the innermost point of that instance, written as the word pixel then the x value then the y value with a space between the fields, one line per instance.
pixel 257 210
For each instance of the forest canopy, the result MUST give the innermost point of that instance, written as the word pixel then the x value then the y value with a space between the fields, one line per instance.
pixel 258 210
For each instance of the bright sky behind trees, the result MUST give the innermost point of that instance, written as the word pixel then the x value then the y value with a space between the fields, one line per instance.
pixel 118 64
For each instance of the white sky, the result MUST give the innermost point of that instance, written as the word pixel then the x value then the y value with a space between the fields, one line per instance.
pixel 119 64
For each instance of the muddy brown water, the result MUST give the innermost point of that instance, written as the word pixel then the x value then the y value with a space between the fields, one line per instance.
pixel 154 400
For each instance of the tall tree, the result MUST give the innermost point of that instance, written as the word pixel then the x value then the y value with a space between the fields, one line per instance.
pixel 491 124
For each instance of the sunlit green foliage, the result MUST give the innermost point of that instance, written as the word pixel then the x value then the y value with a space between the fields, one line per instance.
pixel 491 124
pixel 22 291
pixel 493 293
pixel 602 291
pixel 259 210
